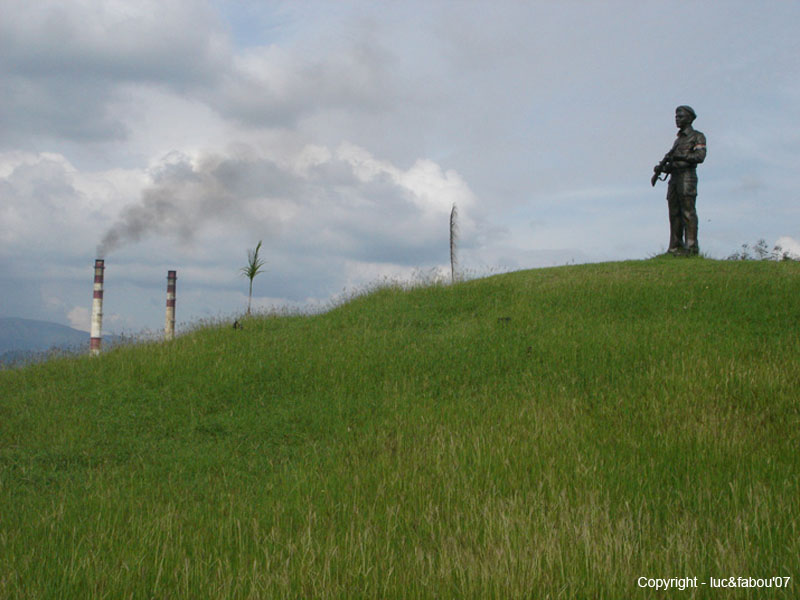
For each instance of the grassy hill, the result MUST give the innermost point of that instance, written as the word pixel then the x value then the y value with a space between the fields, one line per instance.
pixel 556 433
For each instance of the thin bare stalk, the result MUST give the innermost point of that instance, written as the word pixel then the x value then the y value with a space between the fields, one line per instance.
pixel 453 240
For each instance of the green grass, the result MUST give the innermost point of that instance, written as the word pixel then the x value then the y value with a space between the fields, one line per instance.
pixel 555 433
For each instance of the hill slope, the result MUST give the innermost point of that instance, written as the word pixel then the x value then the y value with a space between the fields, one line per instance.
pixel 551 433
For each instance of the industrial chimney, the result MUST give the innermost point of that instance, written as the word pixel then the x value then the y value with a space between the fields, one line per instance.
pixel 97 309
pixel 169 320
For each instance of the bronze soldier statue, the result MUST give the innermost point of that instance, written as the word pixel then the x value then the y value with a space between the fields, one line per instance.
pixel 680 163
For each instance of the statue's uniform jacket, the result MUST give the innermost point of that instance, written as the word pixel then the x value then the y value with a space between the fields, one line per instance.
pixel 689 150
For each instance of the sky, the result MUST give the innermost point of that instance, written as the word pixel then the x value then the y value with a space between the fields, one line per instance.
pixel 176 135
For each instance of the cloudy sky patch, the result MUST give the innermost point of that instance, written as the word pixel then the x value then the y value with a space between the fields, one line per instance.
pixel 175 136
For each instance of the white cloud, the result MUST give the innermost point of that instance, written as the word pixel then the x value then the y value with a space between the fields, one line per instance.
pixel 112 40
pixel 46 196
pixel 790 245
pixel 79 318
pixel 346 201
pixel 274 86
pixel 433 190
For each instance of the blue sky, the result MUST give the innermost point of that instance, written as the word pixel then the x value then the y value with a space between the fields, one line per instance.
pixel 340 133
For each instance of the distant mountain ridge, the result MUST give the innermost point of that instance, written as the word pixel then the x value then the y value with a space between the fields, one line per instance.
pixel 29 335
pixel 23 339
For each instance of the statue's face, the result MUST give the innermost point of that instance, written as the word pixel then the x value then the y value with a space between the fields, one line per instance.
pixel 682 118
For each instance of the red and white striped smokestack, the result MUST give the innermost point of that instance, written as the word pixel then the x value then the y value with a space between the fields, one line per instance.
pixel 97 308
pixel 169 321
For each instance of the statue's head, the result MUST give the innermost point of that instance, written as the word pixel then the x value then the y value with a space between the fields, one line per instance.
pixel 684 116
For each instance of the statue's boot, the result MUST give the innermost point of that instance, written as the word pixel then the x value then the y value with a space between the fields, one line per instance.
pixel 675 234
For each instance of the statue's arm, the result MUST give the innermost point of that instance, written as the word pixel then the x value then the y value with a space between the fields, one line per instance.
pixel 697 152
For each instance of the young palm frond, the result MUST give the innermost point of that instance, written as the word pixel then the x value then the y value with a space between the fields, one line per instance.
pixel 453 239
pixel 253 268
